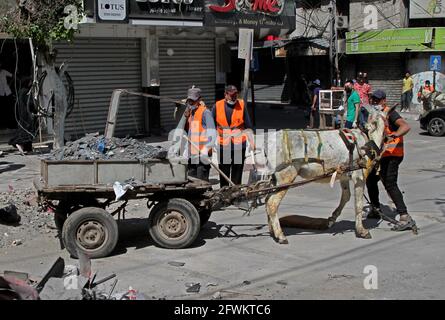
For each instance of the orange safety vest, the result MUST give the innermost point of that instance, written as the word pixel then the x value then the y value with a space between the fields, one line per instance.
pixel 393 148
pixel 197 132
pixel 429 88
pixel 234 132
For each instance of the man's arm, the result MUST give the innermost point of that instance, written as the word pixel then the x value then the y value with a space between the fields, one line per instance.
pixel 403 128
pixel 209 124
pixel 357 111
pixel 247 122
pixel 314 101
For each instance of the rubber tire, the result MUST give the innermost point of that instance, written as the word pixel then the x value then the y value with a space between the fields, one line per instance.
pixel 78 217
pixel 188 210
pixel 66 207
pixel 205 216
pixel 442 132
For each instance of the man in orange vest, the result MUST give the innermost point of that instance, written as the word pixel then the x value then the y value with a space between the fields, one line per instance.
pixel 391 158
pixel 233 126
pixel 424 95
pixel 201 132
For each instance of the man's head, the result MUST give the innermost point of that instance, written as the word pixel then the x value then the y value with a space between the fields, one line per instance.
pixel 427 82
pixel 378 97
pixel 317 82
pixel 361 78
pixel 349 85
pixel 407 74
pixel 193 96
pixel 231 94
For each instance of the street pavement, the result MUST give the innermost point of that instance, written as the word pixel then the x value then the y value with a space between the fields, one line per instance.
pixel 235 257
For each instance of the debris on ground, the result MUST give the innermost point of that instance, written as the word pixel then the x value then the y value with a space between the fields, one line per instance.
pixel 217 296
pixel 33 219
pixel 211 284
pixel 17 242
pixel 193 287
pixel 246 282
pixel 281 282
pixel 97 147
pixel 176 263
pixel 9 215
pixel 340 276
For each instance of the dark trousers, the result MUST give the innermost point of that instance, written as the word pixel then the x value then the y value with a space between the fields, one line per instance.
pixel 389 169
pixel 407 96
pixel 199 170
pixel 231 162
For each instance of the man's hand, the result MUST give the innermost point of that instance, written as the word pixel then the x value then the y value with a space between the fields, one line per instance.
pixel 354 124
pixel 187 112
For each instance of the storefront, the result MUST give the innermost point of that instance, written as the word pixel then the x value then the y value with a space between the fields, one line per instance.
pixel 387 54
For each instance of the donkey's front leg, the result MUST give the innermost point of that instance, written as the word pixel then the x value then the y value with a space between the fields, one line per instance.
pixel 273 201
pixel 359 185
pixel 345 196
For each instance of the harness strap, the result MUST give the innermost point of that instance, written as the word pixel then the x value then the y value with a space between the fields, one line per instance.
pixel 320 145
pixel 306 159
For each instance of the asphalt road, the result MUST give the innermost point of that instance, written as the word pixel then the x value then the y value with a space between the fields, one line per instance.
pixel 245 263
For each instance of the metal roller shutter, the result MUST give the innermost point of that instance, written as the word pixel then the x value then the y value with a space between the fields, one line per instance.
pixel 188 62
pixel 97 67
pixel 384 72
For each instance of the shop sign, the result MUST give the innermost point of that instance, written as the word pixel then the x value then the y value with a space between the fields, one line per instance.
pixel 396 40
pixel 167 9
pixel 426 9
pixel 112 10
pixel 250 13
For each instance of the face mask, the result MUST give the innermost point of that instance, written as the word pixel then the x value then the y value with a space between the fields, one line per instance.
pixel 348 89
pixel 232 103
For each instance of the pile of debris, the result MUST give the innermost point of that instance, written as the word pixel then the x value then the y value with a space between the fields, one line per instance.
pixel 97 147
pixel 22 219
pixel 63 282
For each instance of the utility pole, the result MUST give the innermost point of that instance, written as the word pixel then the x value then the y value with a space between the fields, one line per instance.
pixel 333 42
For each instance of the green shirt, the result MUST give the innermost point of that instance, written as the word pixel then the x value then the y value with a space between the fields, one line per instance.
pixel 352 100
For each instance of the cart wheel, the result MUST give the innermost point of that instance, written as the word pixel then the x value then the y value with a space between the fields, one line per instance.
pixel 66 207
pixel 174 224
pixel 205 216
pixel 91 230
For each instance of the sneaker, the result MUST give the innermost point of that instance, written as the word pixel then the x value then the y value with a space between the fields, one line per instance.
pixel 374 213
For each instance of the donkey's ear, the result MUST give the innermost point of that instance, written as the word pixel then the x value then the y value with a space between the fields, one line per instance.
pixel 388 111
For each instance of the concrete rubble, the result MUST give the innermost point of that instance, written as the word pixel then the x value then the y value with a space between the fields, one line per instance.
pixel 31 219
pixel 97 147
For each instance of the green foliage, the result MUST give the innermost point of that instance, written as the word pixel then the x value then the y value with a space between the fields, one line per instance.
pixel 41 20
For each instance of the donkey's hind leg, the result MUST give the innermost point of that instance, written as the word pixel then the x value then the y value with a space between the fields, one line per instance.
pixel 287 175
pixel 345 197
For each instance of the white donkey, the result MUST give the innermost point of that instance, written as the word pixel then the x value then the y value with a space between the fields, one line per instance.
pixel 308 154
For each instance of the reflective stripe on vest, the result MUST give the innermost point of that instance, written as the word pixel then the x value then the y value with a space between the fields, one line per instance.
pixel 197 132
pixel 234 132
pixel 393 148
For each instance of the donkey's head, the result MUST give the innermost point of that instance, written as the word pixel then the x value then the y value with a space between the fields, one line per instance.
pixel 376 124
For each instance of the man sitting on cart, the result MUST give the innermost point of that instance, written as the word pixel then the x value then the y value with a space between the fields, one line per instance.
pixel 201 131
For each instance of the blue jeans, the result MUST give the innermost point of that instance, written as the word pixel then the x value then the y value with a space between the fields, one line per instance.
pixel 348 124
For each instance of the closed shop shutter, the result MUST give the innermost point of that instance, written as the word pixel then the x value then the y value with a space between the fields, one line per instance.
pixel 385 71
pixel 183 63
pixel 97 67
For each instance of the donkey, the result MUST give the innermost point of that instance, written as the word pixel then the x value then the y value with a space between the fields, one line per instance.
pixel 308 154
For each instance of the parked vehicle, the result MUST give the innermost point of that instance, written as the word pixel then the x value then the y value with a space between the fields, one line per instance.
pixel 434 122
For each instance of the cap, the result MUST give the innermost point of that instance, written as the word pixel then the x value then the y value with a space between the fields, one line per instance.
pixel 194 94
pixel 379 94
pixel 231 88
pixel 317 82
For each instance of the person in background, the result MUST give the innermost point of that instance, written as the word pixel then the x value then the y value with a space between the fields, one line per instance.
pixel 407 92
pixel 7 120
pixel 424 95
pixel 314 115
pixel 352 105
pixel 364 90
pixel 233 127
pixel 202 133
